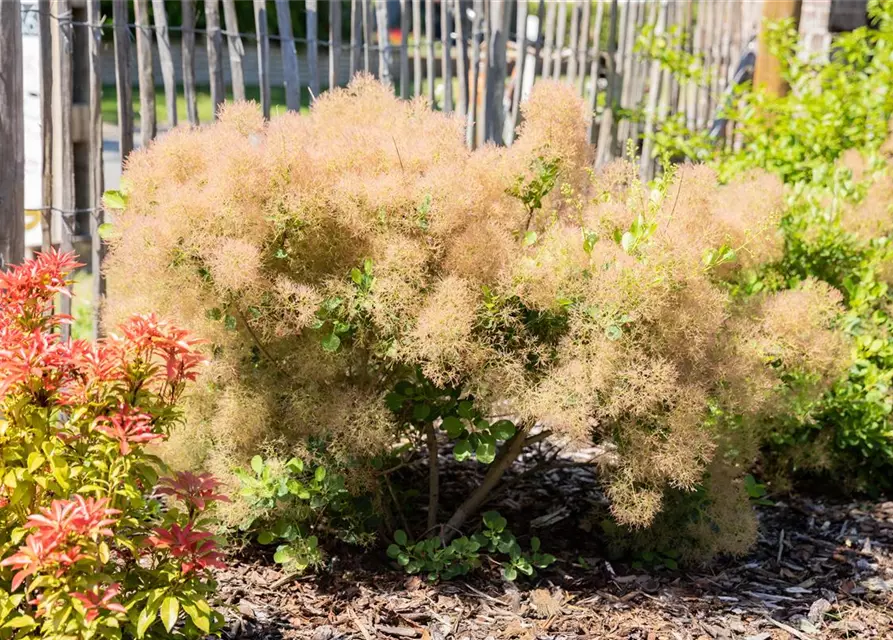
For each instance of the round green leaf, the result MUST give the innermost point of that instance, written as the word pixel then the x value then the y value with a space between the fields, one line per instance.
pixel 453 426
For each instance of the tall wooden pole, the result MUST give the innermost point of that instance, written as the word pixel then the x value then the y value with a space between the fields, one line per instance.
pixel 12 136
pixel 768 68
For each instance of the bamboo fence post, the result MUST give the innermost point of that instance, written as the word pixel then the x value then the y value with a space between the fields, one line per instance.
pixel 595 69
pixel 46 119
pixel 404 50
pixel 122 80
pixel 355 45
pixel 166 60
pixel 187 45
pixel 548 38
pixel 312 17
pixel 521 40
pixel 145 73
pixel 289 57
pixel 429 36
pixel 12 136
pixel 416 47
pixel 461 59
pixel 334 43
pixel 446 67
pixel 234 46
pixel 97 217
pixel 472 113
pixel 583 50
pixel 384 45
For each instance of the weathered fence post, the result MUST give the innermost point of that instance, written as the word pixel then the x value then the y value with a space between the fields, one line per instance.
pixel 334 43
pixel 215 53
pixel 313 45
pixel 263 54
pixel 97 217
pixel 289 57
pixel 187 45
pixel 46 119
pixel 145 73
pixel 12 136
pixel 236 49
pixel 166 58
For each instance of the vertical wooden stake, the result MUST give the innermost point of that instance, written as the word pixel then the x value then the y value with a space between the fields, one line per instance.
pixel 446 56
pixel 384 44
pixel 289 57
pixel 313 45
pixel 165 57
pixel 768 71
pixel 416 48
pixel 215 54
pixel 235 47
pixel 122 79
pixel 334 43
pixel 404 50
pixel 97 248
pixel 521 41
pixel 429 37
pixel 46 119
pixel 12 136
pixel 355 46
pixel 145 74
pixel 187 48
pixel 63 147
pixel 461 59
pixel 476 34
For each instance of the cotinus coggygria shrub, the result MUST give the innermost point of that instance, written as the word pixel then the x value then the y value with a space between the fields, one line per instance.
pixel 92 543
pixel 369 283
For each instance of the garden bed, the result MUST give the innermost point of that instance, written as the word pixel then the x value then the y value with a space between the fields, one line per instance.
pixel 820 570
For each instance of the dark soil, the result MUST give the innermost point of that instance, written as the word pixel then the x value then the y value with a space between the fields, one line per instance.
pixel 821 569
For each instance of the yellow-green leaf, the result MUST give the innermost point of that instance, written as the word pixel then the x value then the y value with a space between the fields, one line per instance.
pixel 170 610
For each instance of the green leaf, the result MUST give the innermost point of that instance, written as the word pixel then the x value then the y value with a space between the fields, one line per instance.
pixel 509 573
pixel 331 343
pixel 257 464
pixel 265 537
pixel 486 449
pixel 295 465
pixel 453 426
pixel 502 429
pixel 462 450
pixel 421 411
pixel 494 521
pixel 19 622
pixel 627 240
pixel 671 564
pixel 530 238
pixel 400 537
pixel 394 401
pixel 147 617
pixel 394 551
pixel 169 612
pixel 613 332
pixel 320 474
pixel 114 199
pixel 199 616
pixel 106 231
pixel 356 275
pixel 466 409
pixel 535 544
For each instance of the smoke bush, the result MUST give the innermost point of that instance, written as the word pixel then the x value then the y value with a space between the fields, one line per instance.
pixel 363 277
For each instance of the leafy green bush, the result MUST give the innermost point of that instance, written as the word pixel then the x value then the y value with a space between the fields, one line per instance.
pixel 378 287
pixel 88 548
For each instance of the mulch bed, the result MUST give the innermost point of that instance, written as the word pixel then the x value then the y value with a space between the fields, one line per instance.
pixel 821 569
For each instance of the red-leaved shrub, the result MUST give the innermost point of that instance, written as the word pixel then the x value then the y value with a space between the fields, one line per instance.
pixel 88 546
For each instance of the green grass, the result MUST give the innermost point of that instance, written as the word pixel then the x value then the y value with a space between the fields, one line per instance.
pixel 203 101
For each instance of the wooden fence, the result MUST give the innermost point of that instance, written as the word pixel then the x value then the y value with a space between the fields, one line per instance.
pixel 478 58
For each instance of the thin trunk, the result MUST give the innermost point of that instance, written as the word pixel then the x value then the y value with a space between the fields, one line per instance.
pixel 433 476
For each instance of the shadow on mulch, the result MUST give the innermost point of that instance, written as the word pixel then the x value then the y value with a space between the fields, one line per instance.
pixel 821 569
